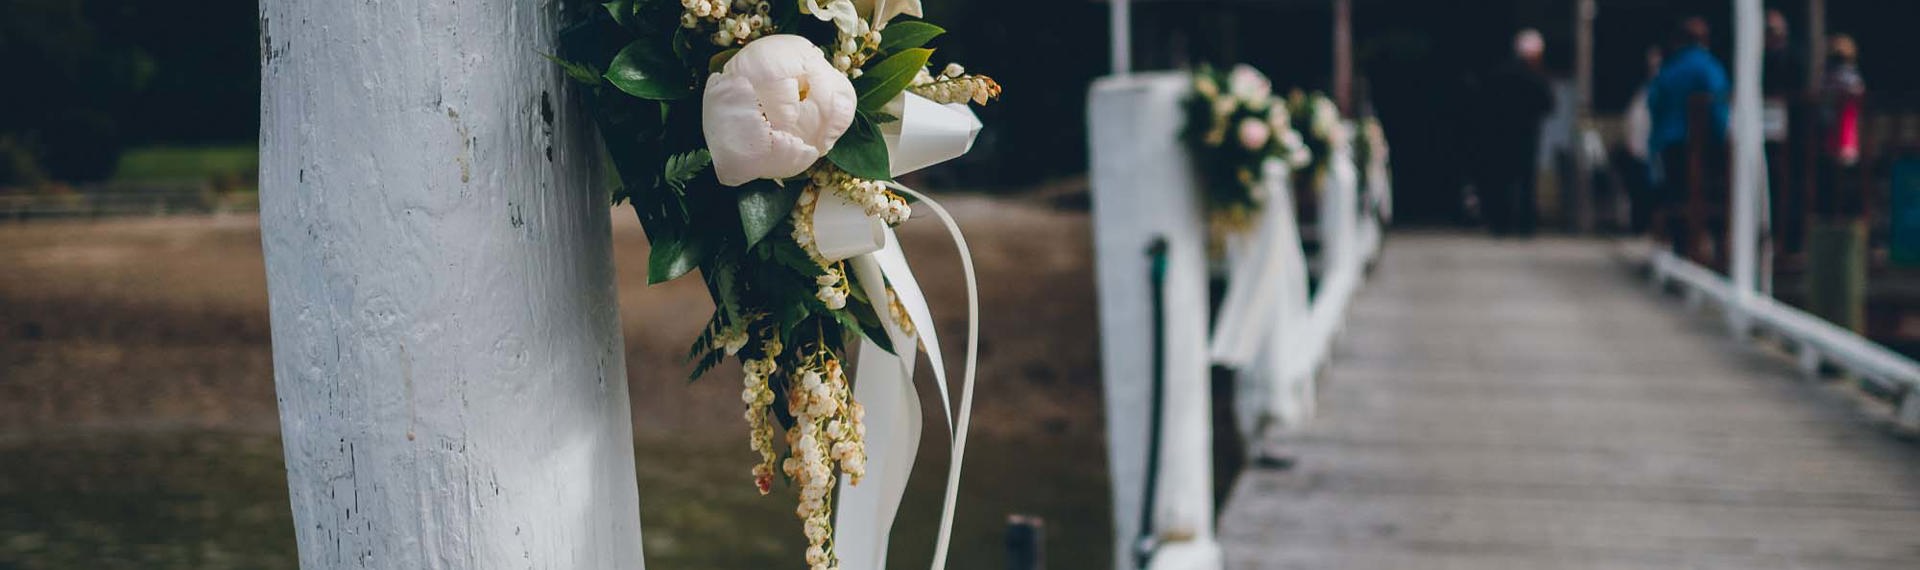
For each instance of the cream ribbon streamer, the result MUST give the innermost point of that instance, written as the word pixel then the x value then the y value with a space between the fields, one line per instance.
pixel 941 545
pixel 885 387
pixel 927 133
pixel 1247 312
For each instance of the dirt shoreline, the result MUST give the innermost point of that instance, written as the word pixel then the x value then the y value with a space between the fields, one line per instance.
pixel 136 336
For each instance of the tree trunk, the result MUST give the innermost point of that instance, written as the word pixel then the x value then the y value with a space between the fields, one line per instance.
pixel 446 342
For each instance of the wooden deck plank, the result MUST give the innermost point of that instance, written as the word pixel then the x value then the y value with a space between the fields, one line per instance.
pixel 1502 404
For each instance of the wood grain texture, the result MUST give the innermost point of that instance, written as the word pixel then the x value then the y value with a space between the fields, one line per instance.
pixel 1531 405
pixel 447 350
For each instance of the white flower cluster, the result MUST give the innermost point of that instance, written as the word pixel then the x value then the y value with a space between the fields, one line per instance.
pixel 730 340
pixel 832 281
pixel 733 21
pixel 1326 122
pixel 833 288
pixel 953 85
pixel 870 195
pixel 759 400
pixel 1293 148
pixel 827 432
pixel 856 41
pixel 802 218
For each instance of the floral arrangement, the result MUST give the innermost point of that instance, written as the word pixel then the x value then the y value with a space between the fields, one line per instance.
pixel 738 129
pixel 1316 115
pixel 1234 126
pixel 1369 145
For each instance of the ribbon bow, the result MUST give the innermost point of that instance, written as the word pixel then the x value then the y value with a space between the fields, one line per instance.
pixel 927 133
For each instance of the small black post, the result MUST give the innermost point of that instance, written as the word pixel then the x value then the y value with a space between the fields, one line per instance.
pixel 1026 543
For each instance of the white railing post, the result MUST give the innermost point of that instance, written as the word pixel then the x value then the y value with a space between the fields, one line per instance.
pixel 1120 36
pixel 1749 160
pixel 446 344
pixel 1143 190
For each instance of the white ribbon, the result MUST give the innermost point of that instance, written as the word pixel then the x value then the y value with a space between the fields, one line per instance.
pixel 927 133
pixel 1266 296
pixel 842 229
pixel 884 384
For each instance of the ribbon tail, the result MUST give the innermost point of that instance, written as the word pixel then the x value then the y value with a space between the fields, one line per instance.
pixel 863 521
pixel 944 540
pixel 892 262
pixel 1253 282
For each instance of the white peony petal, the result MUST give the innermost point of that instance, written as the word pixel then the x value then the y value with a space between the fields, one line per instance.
pixel 774 109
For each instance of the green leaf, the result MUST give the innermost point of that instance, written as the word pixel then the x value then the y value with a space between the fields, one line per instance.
pixel 788 253
pixel 643 71
pixel 674 256
pixel 706 363
pixel 867 321
pixel 683 167
pixel 719 60
pixel 763 205
pixel 620 10
pixel 885 80
pixel 790 316
pixel 908 34
pixel 577 71
pixel 861 152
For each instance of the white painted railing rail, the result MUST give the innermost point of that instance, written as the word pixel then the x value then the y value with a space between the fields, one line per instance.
pixel 1144 193
pixel 1815 341
pixel 1747 310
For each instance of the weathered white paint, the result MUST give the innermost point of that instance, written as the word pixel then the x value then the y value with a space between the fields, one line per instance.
pixel 447 350
pixel 1143 188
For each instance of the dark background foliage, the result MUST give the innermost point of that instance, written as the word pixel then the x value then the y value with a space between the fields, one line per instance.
pixel 92 77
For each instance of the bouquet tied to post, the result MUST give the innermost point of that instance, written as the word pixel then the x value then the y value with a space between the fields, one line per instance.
pixel 1317 118
pixel 757 141
pixel 1234 126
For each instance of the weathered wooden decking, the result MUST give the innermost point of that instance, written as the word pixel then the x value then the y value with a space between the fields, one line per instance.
pixel 1530 405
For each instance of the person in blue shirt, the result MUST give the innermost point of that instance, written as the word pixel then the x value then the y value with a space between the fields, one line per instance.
pixel 1689 71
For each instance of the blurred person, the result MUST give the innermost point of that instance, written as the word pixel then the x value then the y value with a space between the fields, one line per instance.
pixel 1837 239
pixel 1689 71
pixel 1783 68
pixel 1515 98
pixel 1782 78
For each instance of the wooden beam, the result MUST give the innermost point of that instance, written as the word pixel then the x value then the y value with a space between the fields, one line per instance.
pixel 1343 55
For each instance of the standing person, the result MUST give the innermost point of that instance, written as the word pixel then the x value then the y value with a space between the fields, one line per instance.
pixel 1837 241
pixel 1515 98
pixel 1782 77
pixel 1690 71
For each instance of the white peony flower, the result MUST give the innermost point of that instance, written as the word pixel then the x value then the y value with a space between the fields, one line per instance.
pixel 774 109
pixel 1254 134
pixel 1249 85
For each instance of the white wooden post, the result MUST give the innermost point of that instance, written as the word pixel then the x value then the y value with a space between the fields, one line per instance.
pixel 1749 159
pixel 1143 188
pixel 446 346
pixel 1120 36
